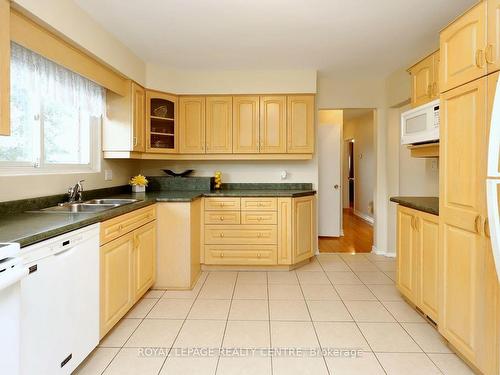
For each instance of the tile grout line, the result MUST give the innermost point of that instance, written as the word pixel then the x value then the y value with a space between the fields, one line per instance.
pixel 227 320
pixel 182 325
pixel 355 322
pixel 269 323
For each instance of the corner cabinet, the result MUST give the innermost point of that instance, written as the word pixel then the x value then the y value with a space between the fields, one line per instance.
pixel 161 124
pixel 4 67
pixel 300 127
pixel 127 263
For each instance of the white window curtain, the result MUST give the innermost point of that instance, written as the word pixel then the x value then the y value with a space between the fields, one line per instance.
pixel 42 78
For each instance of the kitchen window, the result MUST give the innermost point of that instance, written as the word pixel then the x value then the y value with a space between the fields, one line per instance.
pixel 55 118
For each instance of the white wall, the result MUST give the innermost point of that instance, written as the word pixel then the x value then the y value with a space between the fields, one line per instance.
pixel 230 81
pixel 360 129
pixel 74 23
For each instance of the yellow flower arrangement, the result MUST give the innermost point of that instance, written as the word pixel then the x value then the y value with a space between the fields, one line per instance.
pixel 138 180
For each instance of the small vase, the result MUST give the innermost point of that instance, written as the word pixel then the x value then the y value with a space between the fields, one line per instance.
pixel 138 189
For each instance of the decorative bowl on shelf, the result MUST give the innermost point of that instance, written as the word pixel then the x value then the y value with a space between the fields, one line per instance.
pixel 160 111
pixel 186 173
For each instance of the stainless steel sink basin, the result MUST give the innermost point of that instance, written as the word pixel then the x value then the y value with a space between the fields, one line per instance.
pixel 79 208
pixel 111 201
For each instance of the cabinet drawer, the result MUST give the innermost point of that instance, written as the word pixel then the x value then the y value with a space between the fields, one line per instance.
pixel 222 217
pixel 241 254
pixel 241 234
pixel 259 217
pixel 222 204
pixel 120 225
pixel 259 204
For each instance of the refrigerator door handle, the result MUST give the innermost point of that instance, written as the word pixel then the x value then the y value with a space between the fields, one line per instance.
pixel 492 193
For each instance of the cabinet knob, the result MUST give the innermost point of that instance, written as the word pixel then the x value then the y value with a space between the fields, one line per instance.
pixel 259 235
pixel 259 218
pixel 221 235
pixel 222 255
pixel 258 255
pixel 221 204
pixel 221 218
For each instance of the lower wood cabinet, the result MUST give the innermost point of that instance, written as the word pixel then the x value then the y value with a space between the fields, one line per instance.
pixel 127 271
pixel 259 231
pixel 417 259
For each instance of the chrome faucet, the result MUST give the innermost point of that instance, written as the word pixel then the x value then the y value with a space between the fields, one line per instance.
pixel 75 192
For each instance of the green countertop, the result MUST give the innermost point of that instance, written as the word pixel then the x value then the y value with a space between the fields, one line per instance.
pixel 28 228
pixel 425 204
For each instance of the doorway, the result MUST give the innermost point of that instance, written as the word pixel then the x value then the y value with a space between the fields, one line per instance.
pixel 358 176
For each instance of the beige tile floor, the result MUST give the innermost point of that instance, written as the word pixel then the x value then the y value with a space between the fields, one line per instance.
pixel 338 301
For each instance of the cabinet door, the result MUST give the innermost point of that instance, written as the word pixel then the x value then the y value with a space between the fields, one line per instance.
pixel 285 230
pixel 493 47
pixel 300 124
pixel 192 125
pixel 139 117
pixel 428 232
pixel 245 124
pixel 304 218
pixel 144 258
pixel 116 278
pixel 273 124
pixel 219 125
pixel 422 79
pixel 161 122
pixel 462 49
pixel 462 251
pixel 406 277
pixel 436 61
pixel 4 67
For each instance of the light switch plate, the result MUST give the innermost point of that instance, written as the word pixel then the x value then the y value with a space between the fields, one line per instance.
pixel 108 175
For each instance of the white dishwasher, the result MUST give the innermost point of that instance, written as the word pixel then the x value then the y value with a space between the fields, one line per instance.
pixel 60 302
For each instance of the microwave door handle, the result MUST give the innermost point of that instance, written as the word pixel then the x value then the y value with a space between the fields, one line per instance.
pixel 492 187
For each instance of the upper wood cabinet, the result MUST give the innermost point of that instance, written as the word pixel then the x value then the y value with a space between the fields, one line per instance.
pixel 492 53
pixel 245 124
pixel 273 124
pixel 425 80
pixel 300 124
pixel 192 124
pixel 138 117
pixel 462 47
pixel 161 124
pixel 4 67
pixel 219 124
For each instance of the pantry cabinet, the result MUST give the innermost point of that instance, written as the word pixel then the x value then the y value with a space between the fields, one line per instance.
pixel 245 124
pixel 4 67
pixel 425 80
pixel 127 263
pixel 462 48
pixel 273 132
pixel 492 53
pixel 192 124
pixel 219 127
pixel 300 124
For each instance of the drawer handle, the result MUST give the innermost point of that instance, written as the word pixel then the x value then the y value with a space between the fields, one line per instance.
pixel 259 235
pixel 259 218
pixel 260 204
pixel 221 218
pixel 120 227
pixel 221 204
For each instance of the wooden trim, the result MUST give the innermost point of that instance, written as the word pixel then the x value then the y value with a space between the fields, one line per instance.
pixel 35 37
pixel 158 156
pixel 429 150
pixel 4 67
pixel 422 59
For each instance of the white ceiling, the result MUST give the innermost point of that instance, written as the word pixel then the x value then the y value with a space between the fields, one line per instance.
pixel 375 37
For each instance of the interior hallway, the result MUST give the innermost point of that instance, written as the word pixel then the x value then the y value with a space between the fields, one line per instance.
pixel 358 236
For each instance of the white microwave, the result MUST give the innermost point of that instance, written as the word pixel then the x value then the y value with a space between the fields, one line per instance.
pixel 421 124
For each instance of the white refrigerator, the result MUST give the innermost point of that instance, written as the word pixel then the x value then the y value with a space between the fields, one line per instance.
pixel 493 181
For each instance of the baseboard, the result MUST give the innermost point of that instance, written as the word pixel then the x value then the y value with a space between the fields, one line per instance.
pixel 342 232
pixel 383 253
pixel 363 216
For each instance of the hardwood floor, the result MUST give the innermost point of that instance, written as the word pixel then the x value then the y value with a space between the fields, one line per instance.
pixel 358 237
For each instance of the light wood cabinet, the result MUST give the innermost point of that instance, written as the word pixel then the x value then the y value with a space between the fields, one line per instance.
pixel 492 53
pixel 285 230
pixel 116 280
pixel 4 67
pixel 161 122
pixel 300 124
pixel 139 117
pixel 273 124
pixel 219 118
pixel 425 80
pixel 303 224
pixel 406 271
pixel 144 259
pixel 245 124
pixel 462 47
pixel 192 125
pixel 127 265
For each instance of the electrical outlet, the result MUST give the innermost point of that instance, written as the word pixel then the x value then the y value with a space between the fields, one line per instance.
pixel 284 175
pixel 434 164
pixel 108 175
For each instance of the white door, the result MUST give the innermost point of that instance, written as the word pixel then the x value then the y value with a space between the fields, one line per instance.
pixel 330 172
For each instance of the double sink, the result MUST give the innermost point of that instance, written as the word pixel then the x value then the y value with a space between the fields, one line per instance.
pixel 91 206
